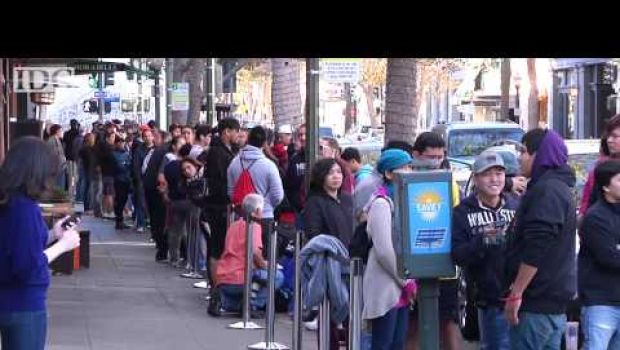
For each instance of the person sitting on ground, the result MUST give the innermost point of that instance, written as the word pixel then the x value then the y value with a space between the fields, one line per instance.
pixel 230 274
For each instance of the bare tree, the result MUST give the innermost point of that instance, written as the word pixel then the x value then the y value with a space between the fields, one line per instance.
pixel 401 106
pixel 373 76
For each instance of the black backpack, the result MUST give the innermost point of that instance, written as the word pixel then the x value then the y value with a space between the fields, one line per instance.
pixel 360 243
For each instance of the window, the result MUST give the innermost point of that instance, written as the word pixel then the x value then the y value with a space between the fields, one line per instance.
pixel 469 143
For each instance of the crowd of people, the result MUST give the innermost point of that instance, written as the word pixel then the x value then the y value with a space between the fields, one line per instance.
pixel 200 189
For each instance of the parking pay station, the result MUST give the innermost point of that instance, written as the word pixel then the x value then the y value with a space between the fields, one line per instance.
pixel 423 241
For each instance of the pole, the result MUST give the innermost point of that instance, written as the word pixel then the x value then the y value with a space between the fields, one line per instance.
pixel 312 117
pixel 101 100
pixel 249 261
pixel 157 99
pixel 169 80
pixel 210 87
pixel 297 309
pixel 324 322
pixel 428 316
pixel 140 102
pixel 355 305
pixel 269 342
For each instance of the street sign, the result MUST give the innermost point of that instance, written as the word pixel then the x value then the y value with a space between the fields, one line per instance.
pixel 180 96
pixel 95 67
pixel 100 94
pixel 341 70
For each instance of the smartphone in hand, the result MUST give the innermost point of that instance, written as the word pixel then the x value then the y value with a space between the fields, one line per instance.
pixel 73 219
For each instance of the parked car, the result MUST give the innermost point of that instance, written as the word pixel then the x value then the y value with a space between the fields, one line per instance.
pixel 464 141
pixel 369 151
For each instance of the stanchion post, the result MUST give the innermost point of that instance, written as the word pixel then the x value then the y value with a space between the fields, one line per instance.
pixel 247 294
pixel 297 309
pixel 324 322
pixel 355 305
pixel 269 342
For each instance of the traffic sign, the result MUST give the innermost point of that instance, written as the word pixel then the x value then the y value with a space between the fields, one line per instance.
pixel 95 67
pixel 100 94
pixel 180 96
pixel 341 70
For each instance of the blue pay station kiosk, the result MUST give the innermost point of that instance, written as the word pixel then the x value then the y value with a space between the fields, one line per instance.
pixel 423 241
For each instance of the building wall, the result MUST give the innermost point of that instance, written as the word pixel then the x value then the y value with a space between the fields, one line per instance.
pixel 579 96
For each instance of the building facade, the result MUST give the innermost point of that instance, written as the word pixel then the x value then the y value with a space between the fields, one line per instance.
pixel 583 96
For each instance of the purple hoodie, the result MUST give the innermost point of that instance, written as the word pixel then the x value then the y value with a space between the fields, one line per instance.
pixel 551 154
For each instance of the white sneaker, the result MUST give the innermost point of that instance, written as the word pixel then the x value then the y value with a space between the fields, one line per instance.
pixel 192 275
pixel 203 285
pixel 312 325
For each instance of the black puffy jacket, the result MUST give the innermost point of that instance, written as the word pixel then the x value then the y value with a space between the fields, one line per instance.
pixel 599 255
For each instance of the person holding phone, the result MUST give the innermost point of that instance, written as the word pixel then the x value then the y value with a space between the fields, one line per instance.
pixel 29 170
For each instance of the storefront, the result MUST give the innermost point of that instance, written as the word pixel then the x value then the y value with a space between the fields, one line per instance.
pixel 583 96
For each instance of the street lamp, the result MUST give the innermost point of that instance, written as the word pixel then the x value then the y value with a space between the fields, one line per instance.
pixel 517 82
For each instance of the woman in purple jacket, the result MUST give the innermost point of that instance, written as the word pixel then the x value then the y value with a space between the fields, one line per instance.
pixel 29 170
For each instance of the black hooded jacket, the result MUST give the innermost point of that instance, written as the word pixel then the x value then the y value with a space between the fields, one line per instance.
pixel 483 264
pixel 544 237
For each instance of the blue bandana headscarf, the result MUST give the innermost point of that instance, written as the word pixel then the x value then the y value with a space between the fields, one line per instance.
pixel 390 160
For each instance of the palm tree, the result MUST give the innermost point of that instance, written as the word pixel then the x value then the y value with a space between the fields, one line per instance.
pixel 400 105
pixel 285 91
pixel 195 75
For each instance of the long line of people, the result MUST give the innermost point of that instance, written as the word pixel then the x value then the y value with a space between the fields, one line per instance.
pixel 515 242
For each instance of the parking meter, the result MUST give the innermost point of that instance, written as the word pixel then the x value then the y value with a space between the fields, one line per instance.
pixel 424 202
pixel 423 233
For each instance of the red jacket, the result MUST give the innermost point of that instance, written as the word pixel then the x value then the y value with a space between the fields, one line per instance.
pixel 280 152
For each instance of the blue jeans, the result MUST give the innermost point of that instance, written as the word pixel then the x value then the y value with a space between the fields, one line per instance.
pixel 538 332
pixel 61 179
pixel 79 186
pixel 138 207
pixel 232 294
pixel 389 332
pixel 23 330
pixel 83 191
pixel 601 327
pixel 494 329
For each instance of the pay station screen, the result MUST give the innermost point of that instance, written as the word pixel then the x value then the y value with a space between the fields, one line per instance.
pixel 429 217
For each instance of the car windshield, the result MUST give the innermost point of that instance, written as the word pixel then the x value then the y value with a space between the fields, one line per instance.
pixel 467 143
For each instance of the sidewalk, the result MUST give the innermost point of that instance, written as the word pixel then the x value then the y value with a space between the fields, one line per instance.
pixel 128 301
